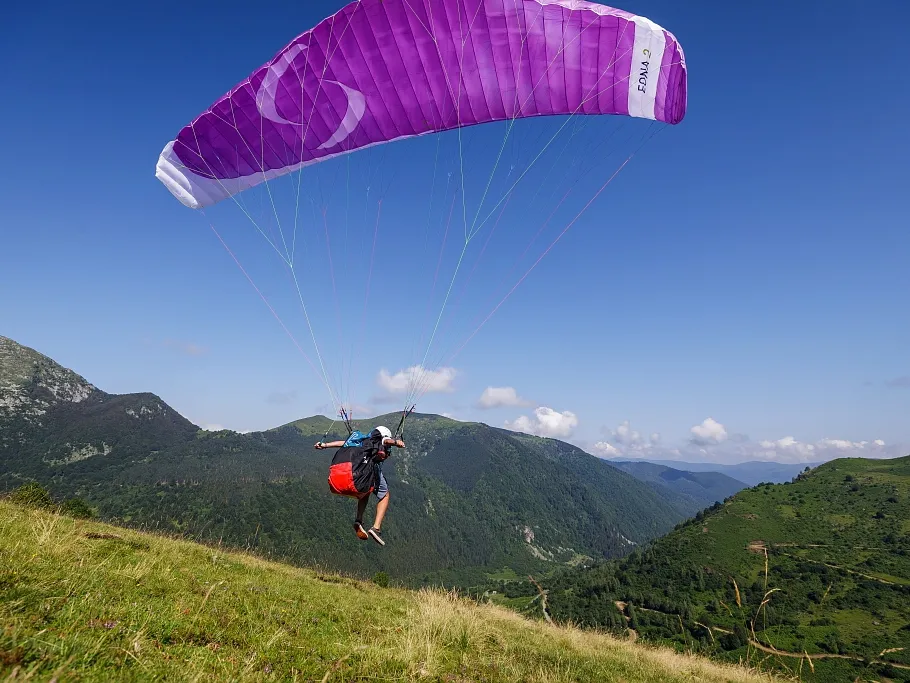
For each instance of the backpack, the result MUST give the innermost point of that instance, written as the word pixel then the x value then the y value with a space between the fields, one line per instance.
pixel 354 470
pixel 356 438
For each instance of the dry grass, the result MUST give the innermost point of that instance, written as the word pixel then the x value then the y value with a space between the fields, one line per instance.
pixel 86 601
pixel 446 633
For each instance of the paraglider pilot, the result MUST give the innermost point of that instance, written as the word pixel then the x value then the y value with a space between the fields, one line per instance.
pixel 357 471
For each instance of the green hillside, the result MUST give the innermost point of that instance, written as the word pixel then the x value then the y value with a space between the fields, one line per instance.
pixel 812 577
pixel 82 601
pixel 467 500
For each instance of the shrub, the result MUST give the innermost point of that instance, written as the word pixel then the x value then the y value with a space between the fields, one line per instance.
pixel 32 495
pixel 76 507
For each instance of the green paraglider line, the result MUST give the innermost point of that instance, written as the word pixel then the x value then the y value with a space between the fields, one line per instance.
pixel 445 237
pixel 541 257
pixel 467 281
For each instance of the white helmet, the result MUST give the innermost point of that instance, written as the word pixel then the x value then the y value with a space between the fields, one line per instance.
pixel 384 432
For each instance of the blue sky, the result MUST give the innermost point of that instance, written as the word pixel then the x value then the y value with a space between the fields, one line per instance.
pixel 745 276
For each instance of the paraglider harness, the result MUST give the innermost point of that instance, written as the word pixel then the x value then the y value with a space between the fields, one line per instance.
pixel 355 467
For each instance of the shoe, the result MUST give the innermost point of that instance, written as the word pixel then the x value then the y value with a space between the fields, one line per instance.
pixel 358 529
pixel 376 535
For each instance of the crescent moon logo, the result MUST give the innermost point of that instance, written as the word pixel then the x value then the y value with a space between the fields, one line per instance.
pixel 265 99
pixel 357 105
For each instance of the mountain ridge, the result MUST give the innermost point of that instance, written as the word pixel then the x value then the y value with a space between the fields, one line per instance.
pixel 750 472
pixel 31 382
pixel 692 491
pixel 467 498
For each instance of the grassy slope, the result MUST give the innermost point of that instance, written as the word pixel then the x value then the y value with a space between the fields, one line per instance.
pixel 838 565
pixel 87 601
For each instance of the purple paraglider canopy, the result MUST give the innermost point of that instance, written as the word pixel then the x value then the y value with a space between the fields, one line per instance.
pixel 384 70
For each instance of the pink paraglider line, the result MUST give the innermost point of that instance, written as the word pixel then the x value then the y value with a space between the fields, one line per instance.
pixel 540 258
pixel 262 296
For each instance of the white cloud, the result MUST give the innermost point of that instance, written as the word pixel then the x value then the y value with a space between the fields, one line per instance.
pixel 606 449
pixel 545 422
pixel 419 378
pixel 840 443
pixel 711 442
pixel 708 433
pixel 625 435
pixel 494 397
pixel 213 427
pixel 627 438
pixel 789 449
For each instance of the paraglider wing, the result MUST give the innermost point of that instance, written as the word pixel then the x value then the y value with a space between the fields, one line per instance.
pixel 383 70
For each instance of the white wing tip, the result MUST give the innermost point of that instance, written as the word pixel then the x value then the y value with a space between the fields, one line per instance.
pixel 175 179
